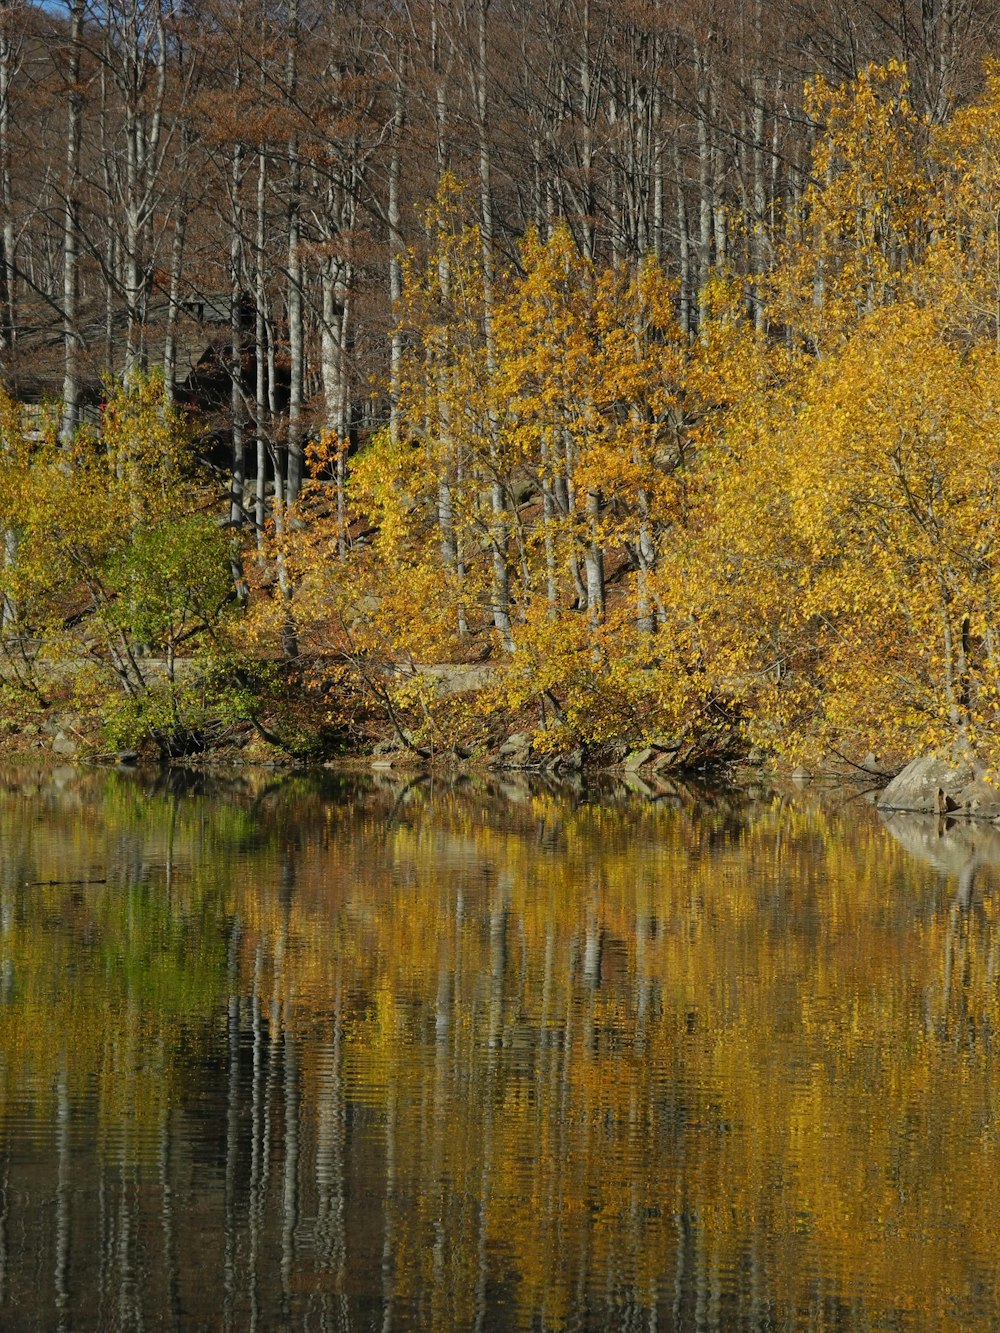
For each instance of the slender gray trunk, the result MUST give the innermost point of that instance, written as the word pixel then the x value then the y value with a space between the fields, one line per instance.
pixel 8 275
pixel 296 326
pixel 706 202
pixel 261 400
pixel 174 301
pixel 593 559
pixel 498 528
pixel 548 533
pixel 395 250
pixel 760 264
pixel 237 400
pixel 71 229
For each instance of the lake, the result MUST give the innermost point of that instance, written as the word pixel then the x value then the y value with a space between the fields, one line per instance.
pixel 369 1053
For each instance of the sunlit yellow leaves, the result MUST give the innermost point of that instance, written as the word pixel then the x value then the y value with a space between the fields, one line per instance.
pixel 784 524
pixel 864 212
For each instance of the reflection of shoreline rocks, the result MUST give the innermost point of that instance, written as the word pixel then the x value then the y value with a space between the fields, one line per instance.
pixel 947 845
pixel 934 786
pixel 957 848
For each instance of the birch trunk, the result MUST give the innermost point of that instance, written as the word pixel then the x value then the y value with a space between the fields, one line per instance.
pixel 395 250
pixel 296 326
pixel 8 276
pixel 237 402
pixel 71 229
pixel 174 301
pixel 261 399
pixel 498 530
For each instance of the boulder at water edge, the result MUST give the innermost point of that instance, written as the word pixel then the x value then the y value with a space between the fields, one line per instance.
pixel 939 786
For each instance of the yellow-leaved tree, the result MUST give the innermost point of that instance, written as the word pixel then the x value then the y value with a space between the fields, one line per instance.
pixel 112 547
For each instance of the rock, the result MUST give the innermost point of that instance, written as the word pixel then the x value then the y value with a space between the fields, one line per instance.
pixel 64 744
pixel 934 786
pixel 944 803
pixel 664 759
pixel 515 751
pixel 457 677
pixel 801 774
pixel 382 765
pixel 638 759
pixel 572 762
pixel 520 740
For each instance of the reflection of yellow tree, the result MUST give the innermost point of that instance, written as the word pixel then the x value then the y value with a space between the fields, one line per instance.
pixel 720 1059
pixel 673 1041
pixel 102 976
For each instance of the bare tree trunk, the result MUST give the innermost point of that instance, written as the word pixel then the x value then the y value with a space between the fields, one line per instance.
pixel 706 209
pixel 657 150
pixel 174 301
pixel 335 281
pixel 395 249
pixel 131 53
pixel 342 403
pixel 498 530
pixel 296 326
pixel 71 228
pixel 587 138
pixel 8 274
pixel 236 394
pixel 548 520
pixel 759 193
pixel 593 559
pixel 261 354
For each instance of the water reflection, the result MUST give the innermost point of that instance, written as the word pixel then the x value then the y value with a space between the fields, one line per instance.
pixel 360 1054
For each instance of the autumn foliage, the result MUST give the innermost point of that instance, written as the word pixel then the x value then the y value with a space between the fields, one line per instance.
pixel 781 529
pixel 784 526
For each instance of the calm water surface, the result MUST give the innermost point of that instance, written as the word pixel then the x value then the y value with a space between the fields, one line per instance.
pixel 343 1055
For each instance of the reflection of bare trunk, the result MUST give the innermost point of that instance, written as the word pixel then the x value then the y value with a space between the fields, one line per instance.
pixel 62 1239
pixel 966 884
pixel 290 1187
pixel 232 1131
pixel 498 967
pixel 260 1133
pixel 389 1239
pixel 127 1293
pixel 167 1219
pixel 331 1231
pixel 4 1185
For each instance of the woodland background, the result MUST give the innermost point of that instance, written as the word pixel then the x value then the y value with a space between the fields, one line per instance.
pixel 646 350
